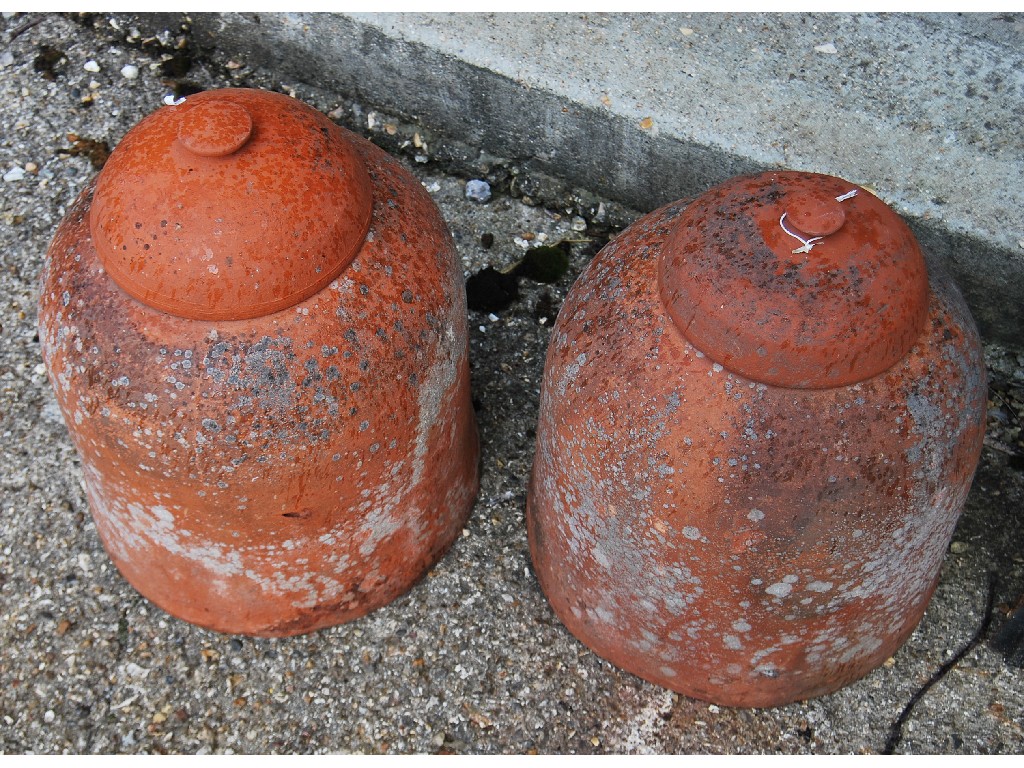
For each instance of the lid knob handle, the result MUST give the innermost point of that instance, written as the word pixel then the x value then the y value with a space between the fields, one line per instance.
pixel 215 128
pixel 815 214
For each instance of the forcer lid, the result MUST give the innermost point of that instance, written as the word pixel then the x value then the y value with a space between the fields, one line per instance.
pixel 230 205
pixel 795 280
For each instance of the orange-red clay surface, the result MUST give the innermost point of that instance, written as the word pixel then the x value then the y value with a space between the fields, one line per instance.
pixel 754 445
pixel 255 325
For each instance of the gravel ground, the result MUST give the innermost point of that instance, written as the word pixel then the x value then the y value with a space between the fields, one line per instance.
pixel 472 659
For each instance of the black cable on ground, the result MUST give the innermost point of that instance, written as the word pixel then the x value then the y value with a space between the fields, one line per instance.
pixel 896 731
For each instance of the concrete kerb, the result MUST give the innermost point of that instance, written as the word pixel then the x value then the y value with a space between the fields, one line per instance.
pixel 493 82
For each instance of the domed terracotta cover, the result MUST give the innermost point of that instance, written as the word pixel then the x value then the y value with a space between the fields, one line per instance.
pixel 795 279
pixel 255 326
pixel 231 205
pixel 757 428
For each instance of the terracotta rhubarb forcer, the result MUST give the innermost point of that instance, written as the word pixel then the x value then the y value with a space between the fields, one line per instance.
pixel 758 426
pixel 255 326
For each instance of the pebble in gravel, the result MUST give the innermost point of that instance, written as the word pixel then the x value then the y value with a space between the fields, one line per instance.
pixel 478 191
